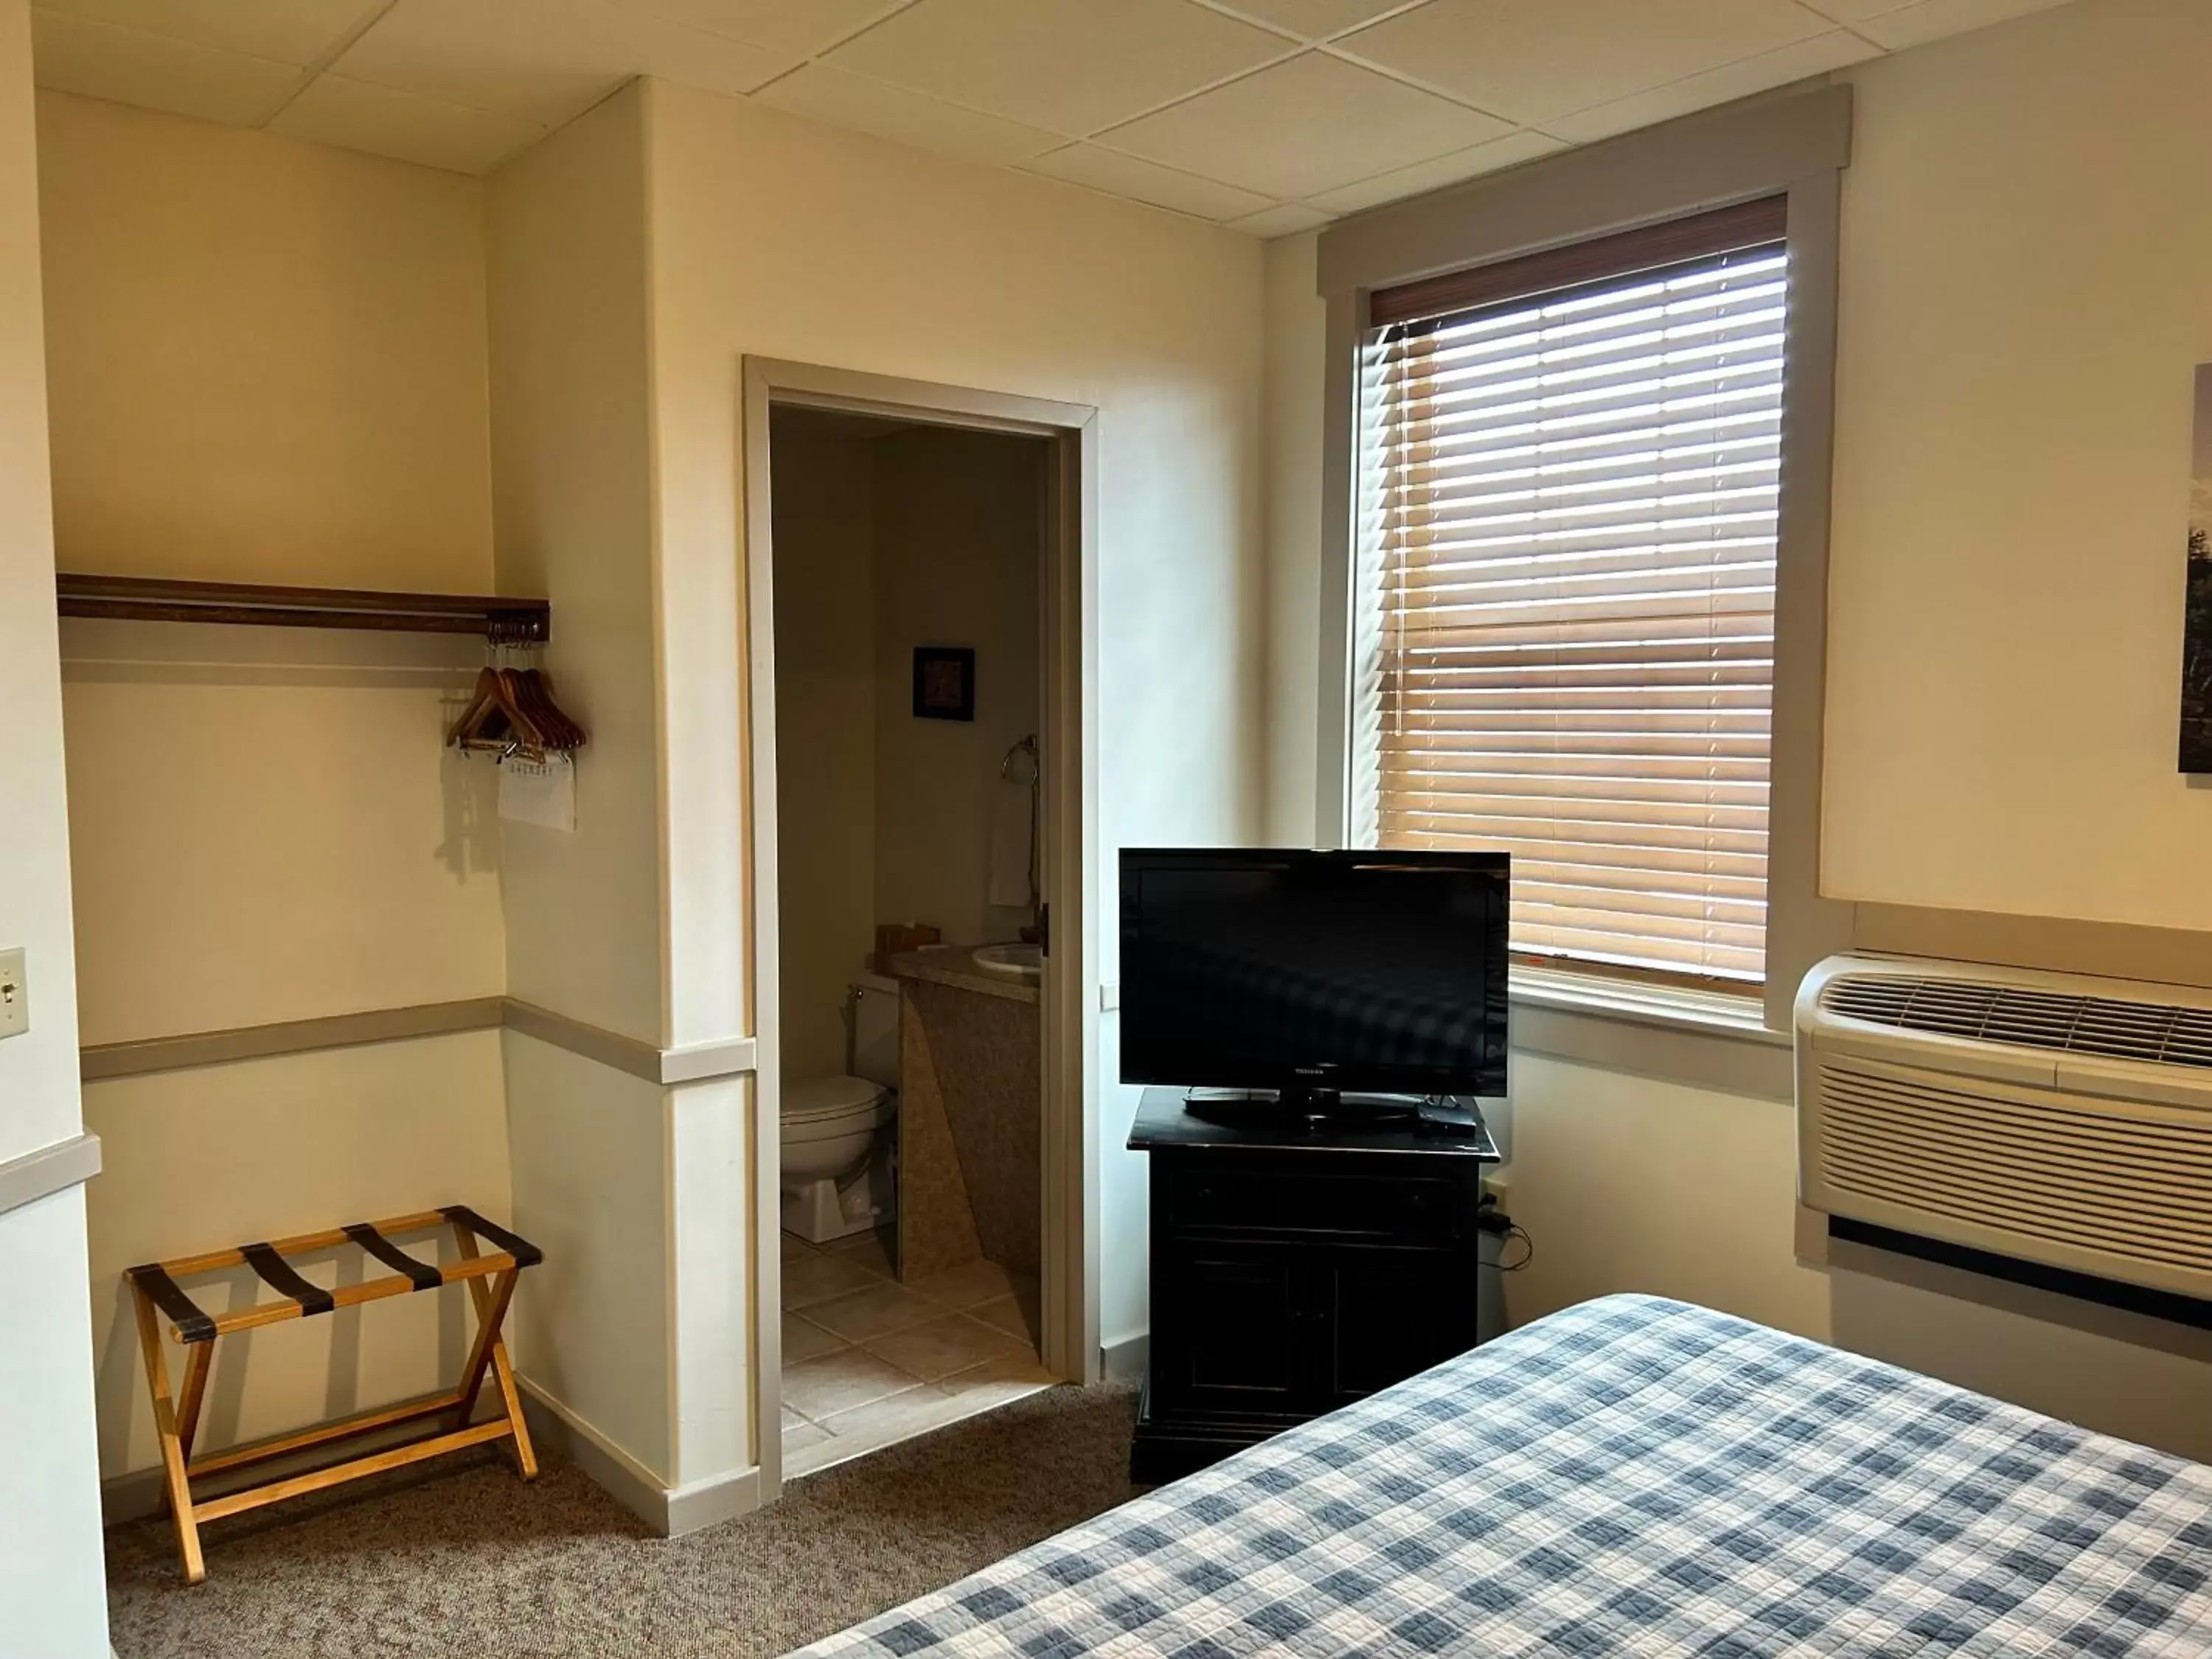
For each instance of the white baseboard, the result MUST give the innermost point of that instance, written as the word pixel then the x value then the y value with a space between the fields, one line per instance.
pixel 1124 1361
pixel 706 1504
pixel 670 1512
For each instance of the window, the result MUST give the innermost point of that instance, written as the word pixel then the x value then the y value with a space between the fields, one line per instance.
pixel 1566 492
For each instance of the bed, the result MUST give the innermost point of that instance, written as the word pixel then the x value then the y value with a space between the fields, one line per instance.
pixel 1633 1476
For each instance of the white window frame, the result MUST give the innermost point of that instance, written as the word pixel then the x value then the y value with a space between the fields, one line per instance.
pixel 1795 146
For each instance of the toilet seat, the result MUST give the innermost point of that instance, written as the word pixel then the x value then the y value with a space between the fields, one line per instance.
pixel 819 1099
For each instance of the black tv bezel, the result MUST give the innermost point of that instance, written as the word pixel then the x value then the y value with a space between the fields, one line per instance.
pixel 1321 1078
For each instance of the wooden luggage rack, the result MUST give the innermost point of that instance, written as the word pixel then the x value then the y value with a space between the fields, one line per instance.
pixel 490 1279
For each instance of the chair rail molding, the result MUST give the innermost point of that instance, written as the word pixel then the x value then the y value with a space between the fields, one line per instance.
pixel 691 1062
pixel 47 1170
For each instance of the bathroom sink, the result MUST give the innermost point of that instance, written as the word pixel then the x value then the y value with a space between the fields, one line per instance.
pixel 1015 961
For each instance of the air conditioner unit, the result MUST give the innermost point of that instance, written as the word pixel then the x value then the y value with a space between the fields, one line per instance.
pixel 2050 1118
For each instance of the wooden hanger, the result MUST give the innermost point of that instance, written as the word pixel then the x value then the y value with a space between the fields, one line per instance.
pixel 535 689
pixel 480 705
pixel 495 719
pixel 513 710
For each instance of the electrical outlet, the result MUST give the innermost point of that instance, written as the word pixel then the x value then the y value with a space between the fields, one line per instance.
pixel 15 995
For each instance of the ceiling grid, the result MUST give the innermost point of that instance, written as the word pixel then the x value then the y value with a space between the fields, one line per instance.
pixel 1268 116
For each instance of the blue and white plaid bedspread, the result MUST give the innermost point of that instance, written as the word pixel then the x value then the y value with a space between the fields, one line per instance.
pixel 1631 1476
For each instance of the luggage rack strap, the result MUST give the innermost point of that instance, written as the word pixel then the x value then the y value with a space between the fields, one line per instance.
pixel 525 1254
pixel 421 1274
pixel 192 1323
pixel 276 1273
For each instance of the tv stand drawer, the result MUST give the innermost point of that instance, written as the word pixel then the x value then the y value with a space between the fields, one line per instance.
pixel 1294 1203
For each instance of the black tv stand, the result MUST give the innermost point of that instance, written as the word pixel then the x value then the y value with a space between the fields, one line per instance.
pixel 1296 1268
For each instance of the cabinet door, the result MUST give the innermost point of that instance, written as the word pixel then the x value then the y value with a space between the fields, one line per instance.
pixel 1230 1340
pixel 1395 1316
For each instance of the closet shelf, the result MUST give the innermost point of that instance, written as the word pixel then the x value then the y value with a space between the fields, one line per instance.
pixel 136 598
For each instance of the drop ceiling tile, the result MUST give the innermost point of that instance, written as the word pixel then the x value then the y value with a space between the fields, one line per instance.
pixel 845 100
pixel 1143 181
pixel 126 66
pixel 355 115
pixel 1453 169
pixel 1315 19
pixel 1531 60
pixel 1071 65
pixel 1312 125
pixel 805 27
pixel 282 31
pixel 1770 70
pixel 1852 11
pixel 1931 20
pixel 694 57
pixel 1286 219
pixel 544 60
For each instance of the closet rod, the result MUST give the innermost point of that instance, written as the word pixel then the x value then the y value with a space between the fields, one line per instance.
pixel 136 598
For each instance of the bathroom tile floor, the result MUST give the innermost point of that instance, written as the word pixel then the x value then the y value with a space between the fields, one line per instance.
pixel 868 1361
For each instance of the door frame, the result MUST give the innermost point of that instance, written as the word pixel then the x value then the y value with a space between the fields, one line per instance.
pixel 1068 994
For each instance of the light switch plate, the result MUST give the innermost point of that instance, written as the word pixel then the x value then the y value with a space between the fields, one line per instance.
pixel 15 995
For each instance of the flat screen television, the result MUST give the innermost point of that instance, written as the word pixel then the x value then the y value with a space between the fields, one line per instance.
pixel 1312 975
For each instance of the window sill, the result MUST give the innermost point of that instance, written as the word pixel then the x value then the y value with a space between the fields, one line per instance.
pixel 1712 1013
pixel 1708 1039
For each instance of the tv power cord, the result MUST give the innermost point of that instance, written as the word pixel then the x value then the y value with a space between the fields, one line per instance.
pixel 1490 1219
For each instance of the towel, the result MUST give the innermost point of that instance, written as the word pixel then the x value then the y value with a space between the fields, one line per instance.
pixel 1012 833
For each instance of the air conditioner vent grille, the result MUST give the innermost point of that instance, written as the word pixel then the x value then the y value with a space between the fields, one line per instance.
pixel 2022 1168
pixel 2161 1032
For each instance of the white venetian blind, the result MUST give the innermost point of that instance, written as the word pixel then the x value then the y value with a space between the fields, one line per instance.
pixel 1566 626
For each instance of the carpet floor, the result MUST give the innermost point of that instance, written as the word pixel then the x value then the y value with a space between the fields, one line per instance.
pixel 473 1563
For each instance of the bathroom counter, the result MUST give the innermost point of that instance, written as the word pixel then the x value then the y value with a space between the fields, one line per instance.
pixel 970 1113
pixel 955 965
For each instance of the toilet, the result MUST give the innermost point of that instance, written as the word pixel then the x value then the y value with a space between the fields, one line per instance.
pixel 838 1135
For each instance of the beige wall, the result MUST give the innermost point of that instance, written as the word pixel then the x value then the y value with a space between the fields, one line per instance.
pixel 207 1157
pixel 781 238
pixel 593 1334
pixel 38 1071
pixel 571 430
pixel 1297 350
pixel 52 1577
pixel 267 357
pixel 825 719
pixel 777 237
pixel 592 1148
pixel 959 519
pixel 267 826
pixel 2027 221
pixel 2024 221
pixel 267 363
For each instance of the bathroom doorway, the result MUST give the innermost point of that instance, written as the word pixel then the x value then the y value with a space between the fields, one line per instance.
pixel 914 569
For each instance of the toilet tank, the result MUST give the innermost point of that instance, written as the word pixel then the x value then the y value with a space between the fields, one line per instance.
pixel 875 1030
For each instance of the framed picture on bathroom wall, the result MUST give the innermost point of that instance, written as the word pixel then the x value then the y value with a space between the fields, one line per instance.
pixel 944 683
